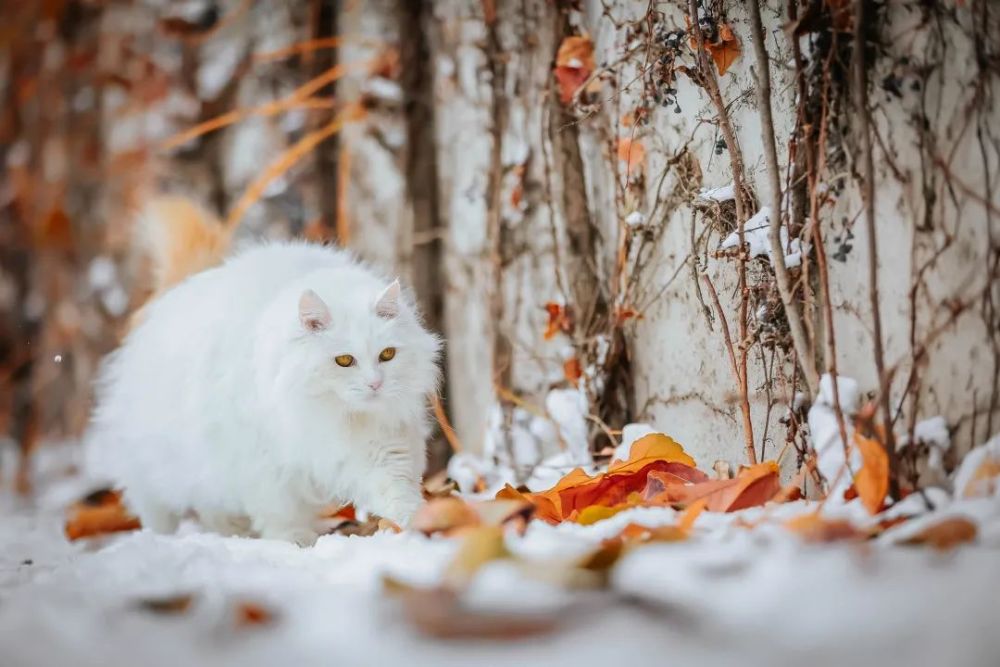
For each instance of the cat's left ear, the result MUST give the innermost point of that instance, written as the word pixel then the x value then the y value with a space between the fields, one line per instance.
pixel 387 304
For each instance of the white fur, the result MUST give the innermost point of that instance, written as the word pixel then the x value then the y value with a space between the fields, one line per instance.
pixel 227 402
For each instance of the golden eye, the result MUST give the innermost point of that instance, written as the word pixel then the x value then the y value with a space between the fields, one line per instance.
pixel 344 360
pixel 387 354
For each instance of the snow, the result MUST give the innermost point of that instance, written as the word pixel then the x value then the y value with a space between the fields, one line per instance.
pixel 631 433
pixel 568 409
pixel 824 428
pixel 727 595
pixel 635 219
pixel 755 235
pixel 725 193
pixel 966 483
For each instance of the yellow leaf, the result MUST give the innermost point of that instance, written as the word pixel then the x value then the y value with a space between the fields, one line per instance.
pixel 595 513
pixel 655 446
pixel 481 545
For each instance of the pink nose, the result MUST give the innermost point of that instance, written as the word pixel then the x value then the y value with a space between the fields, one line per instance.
pixel 375 385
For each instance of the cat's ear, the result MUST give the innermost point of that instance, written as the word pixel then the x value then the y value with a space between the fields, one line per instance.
pixel 313 313
pixel 387 304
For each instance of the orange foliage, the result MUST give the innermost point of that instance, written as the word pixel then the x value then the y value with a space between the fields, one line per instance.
pixel 872 481
pixel 574 65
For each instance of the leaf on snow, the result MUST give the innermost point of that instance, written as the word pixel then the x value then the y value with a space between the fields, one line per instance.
pixel 439 613
pixel 753 486
pixel 811 527
pixel 100 513
pixel 444 515
pixel 946 534
pixel 576 492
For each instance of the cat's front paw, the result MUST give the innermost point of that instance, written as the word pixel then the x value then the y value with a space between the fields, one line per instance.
pixel 301 535
pixel 400 510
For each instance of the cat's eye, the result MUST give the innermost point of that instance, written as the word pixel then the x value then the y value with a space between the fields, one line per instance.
pixel 387 354
pixel 344 360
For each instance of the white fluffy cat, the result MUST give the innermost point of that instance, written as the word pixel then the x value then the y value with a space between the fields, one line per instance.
pixel 258 392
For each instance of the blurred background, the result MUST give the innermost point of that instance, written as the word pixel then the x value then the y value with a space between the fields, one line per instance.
pixel 543 175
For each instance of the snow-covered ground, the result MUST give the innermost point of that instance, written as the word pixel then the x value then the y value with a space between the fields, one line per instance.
pixel 729 595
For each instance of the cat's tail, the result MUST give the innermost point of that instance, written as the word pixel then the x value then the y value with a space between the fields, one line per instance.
pixel 181 238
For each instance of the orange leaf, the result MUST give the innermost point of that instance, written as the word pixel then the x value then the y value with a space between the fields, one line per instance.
pixel 444 515
pixel 559 320
pixel 754 486
pixel 574 65
pixel 251 613
pixel 636 532
pixel 633 154
pixel 946 534
pixel 725 51
pixel 814 528
pixel 691 514
pixel 872 481
pixel 99 513
pixel 577 491
pixel 573 371
pixel 655 446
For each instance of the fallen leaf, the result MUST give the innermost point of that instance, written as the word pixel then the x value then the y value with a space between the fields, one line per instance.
pixel 439 613
pixel 504 512
pixel 946 534
pixel 635 532
pixel 620 485
pixel 812 527
pixel 984 480
pixel 872 480
pixel 753 486
pixel 480 545
pixel 653 447
pixel 444 515
pixel 252 613
pixel 100 513
pixel 173 604
pixel 574 65
pixel 594 513
pixel 691 514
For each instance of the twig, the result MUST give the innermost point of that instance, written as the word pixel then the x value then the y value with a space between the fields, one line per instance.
pixel 868 197
pixel 707 72
pixel 744 398
pixel 792 314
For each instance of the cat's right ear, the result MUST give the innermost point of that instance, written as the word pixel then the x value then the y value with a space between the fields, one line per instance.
pixel 313 313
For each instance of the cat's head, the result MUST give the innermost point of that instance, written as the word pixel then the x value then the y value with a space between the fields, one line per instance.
pixel 362 342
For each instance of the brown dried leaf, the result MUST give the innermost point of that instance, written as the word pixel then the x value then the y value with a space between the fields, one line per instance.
pixel 444 515
pixel 174 604
pixel 946 534
pixel 814 528
pixel 439 613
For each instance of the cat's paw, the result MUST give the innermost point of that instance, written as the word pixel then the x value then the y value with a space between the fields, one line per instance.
pixel 400 510
pixel 301 535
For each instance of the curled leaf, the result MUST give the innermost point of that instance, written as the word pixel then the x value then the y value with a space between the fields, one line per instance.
pixel 872 481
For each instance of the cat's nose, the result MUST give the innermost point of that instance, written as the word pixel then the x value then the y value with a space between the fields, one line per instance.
pixel 375 385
